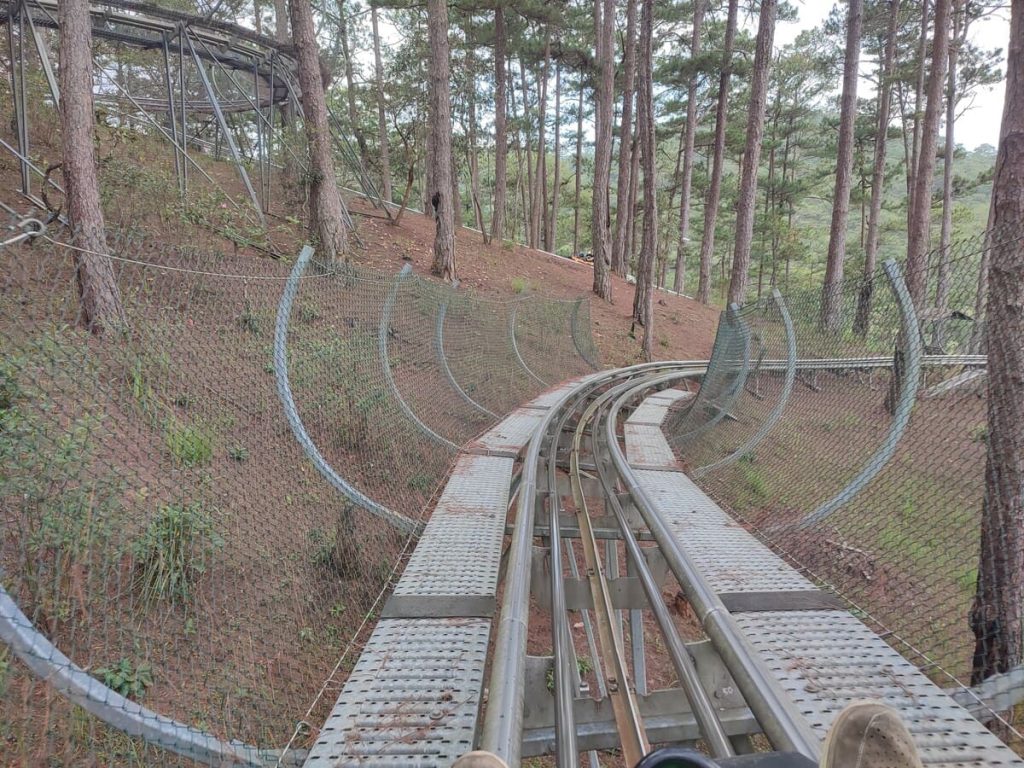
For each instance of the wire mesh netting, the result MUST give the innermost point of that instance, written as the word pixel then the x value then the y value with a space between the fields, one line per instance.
pixel 201 514
pixel 854 442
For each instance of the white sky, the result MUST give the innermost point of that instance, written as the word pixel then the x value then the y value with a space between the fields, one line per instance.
pixel 979 124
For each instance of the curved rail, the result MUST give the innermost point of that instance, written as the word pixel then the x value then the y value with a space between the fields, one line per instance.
pixel 904 406
pixel 515 347
pixel 284 392
pixel 385 363
pixel 723 407
pixel 47 663
pixel 776 715
pixel 572 332
pixel 780 406
pixel 442 359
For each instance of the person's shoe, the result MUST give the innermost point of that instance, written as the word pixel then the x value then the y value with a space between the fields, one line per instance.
pixel 479 759
pixel 868 734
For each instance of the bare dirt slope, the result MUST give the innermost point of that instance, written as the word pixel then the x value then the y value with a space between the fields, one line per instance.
pixel 683 328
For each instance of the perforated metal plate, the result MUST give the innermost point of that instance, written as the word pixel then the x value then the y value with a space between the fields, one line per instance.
pixel 460 549
pixel 552 396
pixel 510 435
pixel 729 557
pixel 669 396
pixel 412 699
pixel 826 659
pixel 653 409
pixel 646 447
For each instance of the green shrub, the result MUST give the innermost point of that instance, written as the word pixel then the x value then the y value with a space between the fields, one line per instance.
pixel 174 551
pixel 127 679
pixel 190 446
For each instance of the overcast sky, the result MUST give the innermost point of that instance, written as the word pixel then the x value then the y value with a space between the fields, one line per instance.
pixel 980 124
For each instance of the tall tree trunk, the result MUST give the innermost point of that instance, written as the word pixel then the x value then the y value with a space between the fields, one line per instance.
pixel 752 154
pixel 688 140
pixel 946 236
pixel 97 287
pixel 913 159
pixel 500 138
pixel 714 195
pixel 921 211
pixel 281 21
pixel 350 86
pixel 579 162
pixel 864 298
pixel 996 615
pixel 643 311
pixel 831 291
pixel 439 125
pixel 471 151
pixel 620 261
pixel 540 175
pixel 531 233
pixel 604 26
pixel 552 233
pixel 326 218
pixel 382 125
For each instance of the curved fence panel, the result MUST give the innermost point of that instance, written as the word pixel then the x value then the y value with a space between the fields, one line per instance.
pixel 870 473
pixel 203 512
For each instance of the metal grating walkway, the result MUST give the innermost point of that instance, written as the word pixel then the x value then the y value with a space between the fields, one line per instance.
pixel 413 698
pixel 647 447
pixel 824 659
pixel 654 409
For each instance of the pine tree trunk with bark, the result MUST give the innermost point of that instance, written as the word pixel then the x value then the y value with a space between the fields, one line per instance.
pixel 439 126
pixel 627 146
pixel 604 26
pixel 714 194
pixel 579 163
pixel 643 310
pixel 996 614
pixel 350 86
pixel 101 308
pixel 552 230
pixel 679 283
pixel 921 205
pixel 946 232
pixel 382 125
pixel 500 137
pixel 326 220
pixel 752 153
pixel 864 297
pixel 832 289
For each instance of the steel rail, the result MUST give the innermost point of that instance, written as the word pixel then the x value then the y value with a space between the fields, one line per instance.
pixel 625 708
pixel 503 721
pixel 703 708
pixel 781 722
pixel 566 750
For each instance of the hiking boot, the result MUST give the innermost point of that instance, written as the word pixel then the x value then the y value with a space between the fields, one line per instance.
pixel 868 734
pixel 479 759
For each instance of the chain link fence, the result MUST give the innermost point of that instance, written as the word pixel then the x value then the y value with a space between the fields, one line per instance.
pixel 854 443
pixel 201 515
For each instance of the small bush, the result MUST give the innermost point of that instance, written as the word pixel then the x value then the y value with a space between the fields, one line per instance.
pixel 238 452
pixel 174 551
pixel 520 285
pixel 189 445
pixel 127 679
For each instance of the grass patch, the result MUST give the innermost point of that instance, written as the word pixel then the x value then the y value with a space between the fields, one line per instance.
pixel 174 552
pixel 190 446
pixel 520 285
